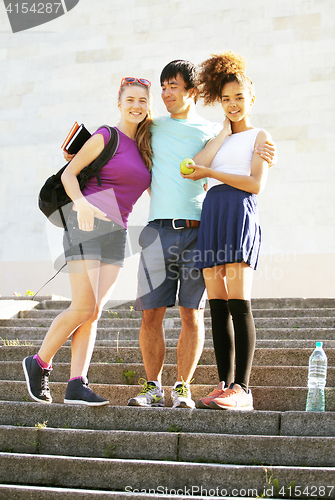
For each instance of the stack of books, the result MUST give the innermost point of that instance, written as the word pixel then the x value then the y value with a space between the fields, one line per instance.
pixel 75 139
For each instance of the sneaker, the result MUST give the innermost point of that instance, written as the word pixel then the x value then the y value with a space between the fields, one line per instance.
pixel 78 393
pixel 181 396
pixel 204 402
pixel 233 398
pixel 150 395
pixel 37 380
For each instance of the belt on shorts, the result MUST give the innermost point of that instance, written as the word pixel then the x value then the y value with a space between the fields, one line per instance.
pixel 177 223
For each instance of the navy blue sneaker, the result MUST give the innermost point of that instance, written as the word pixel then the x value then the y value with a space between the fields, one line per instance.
pixel 78 393
pixel 37 380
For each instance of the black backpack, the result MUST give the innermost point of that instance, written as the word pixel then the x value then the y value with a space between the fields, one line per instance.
pixel 53 200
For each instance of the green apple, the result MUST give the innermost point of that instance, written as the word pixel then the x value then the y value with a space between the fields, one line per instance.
pixel 183 166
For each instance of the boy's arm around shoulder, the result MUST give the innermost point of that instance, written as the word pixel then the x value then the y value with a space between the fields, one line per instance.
pixel 267 149
pixel 259 164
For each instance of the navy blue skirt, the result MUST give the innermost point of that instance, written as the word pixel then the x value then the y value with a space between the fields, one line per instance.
pixel 229 230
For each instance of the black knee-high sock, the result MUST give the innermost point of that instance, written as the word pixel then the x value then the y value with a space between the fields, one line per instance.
pixel 223 339
pixel 245 339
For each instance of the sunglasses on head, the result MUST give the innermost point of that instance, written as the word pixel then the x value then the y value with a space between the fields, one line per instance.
pixel 131 79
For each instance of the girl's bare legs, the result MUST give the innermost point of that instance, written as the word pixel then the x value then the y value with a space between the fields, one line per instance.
pixel 83 339
pixel 215 280
pixel 83 277
pixel 239 281
pixel 87 301
pixel 230 281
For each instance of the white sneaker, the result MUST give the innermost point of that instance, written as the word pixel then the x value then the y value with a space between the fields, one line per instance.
pixel 181 396
pixel 150 395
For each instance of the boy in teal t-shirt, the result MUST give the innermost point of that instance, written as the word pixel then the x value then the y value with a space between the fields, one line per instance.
pixel 173 197
pixel 169 240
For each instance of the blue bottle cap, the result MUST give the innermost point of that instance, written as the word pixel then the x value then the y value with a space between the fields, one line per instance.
pixel 319 344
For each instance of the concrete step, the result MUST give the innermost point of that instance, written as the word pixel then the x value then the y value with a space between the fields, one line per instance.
pixel 17 492
pixel 260 343
pixel 131 418
pixel 116 474
pixel 51 302
pixel 35 300
pixel 123 333
pixel 265 398
pixel 112 373
pixel 263 356
pixel 174 313
pixel 111 304
pixel 257 303
pixel 293 303
pixel 170 323
pixel 172 446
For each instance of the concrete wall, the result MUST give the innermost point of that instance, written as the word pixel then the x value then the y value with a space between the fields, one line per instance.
pixel 70 69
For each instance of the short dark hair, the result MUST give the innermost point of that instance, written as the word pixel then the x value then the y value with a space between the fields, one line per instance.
pixel 186 69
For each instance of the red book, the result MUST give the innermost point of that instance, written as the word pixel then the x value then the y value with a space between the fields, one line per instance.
pixel 70 135
pixel 76 139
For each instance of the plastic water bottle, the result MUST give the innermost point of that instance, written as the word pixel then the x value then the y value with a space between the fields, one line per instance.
pixel 317 375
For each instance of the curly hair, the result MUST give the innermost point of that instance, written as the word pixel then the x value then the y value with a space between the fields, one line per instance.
pixel 218 70
pixel 143 133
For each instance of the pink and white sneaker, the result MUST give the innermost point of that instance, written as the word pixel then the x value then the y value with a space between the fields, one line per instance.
pixel 204 403
pixel 233 398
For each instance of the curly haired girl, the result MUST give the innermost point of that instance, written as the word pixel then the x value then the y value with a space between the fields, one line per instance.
pixel 229 234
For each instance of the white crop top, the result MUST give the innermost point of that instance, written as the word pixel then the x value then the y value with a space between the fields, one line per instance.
pixel 235 155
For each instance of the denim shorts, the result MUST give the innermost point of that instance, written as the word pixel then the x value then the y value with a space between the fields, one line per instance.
pixel 167 269
pixel 106 242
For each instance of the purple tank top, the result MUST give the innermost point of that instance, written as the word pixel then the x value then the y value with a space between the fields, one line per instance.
pixel 123 180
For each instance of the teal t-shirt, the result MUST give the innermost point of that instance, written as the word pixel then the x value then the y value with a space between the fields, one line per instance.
pixel 173 197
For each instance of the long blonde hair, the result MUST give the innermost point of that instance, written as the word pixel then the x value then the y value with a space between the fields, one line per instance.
pixel 143 134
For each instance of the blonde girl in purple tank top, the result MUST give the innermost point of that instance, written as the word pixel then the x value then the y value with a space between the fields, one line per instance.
pixel 94 243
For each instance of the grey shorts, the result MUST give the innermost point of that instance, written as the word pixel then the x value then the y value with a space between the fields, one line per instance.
pixel 105 243
pixel 167 269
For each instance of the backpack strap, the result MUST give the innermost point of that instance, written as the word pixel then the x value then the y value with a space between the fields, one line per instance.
pixel 106 154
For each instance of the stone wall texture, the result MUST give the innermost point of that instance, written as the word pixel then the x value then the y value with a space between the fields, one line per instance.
pixel 70 69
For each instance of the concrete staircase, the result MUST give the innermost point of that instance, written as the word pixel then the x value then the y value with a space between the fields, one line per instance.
pixel 66 452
